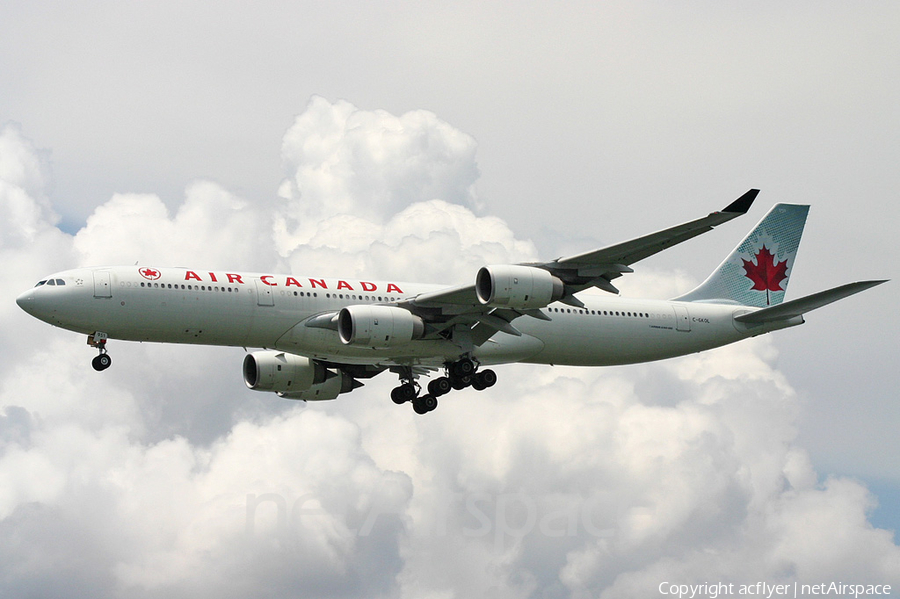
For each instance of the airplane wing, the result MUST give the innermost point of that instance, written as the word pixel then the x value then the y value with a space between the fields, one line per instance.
pixel 598 267
pixel 444 309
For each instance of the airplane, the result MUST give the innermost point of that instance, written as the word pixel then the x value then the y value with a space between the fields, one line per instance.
pixel 320 337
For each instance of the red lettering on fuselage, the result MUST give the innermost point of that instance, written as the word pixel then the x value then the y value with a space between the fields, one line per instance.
pixel 272 281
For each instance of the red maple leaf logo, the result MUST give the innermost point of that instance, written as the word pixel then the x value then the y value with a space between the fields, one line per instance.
pixel 766 274
pixel 149 273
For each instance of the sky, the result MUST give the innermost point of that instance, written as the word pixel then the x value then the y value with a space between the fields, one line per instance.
pixel 418 142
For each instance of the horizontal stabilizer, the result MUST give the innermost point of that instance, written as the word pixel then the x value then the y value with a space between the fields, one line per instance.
pixel 802 305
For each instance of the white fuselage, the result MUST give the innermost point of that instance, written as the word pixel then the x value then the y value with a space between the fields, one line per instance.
pixel 179 305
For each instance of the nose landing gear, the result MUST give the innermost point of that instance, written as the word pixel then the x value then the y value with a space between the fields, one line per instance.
pixel 103 361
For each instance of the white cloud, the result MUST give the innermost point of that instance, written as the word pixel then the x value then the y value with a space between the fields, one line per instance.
pixel 23 172
pixel 212 228
pixel 557 481
pixel 370 164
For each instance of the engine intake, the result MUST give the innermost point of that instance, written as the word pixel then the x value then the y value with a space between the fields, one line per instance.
pixel 378 327
pixel 281 372
pixel 516 286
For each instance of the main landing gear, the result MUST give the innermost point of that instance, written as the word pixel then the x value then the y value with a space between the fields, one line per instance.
pixel 460 374
pixel 103 361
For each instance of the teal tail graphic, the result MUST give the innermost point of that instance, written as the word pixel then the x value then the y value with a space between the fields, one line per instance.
pixel 757 272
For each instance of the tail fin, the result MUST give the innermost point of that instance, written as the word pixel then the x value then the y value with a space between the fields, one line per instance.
pixel 757 272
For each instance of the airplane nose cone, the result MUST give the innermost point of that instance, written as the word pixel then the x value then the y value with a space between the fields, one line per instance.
pixel 26 301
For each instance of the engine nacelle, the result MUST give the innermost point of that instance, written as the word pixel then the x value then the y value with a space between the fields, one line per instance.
pixel 516 286
pixel 281 372
pixel 334 385
pixel 378 326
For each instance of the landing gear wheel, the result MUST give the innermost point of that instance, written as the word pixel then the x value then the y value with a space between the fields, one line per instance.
pixel 462 368
pixel 395 396
pixel 440 386
pixel 462 382
pixel 101 362
pixel 424 404
pixel 404 393
pixel 485 379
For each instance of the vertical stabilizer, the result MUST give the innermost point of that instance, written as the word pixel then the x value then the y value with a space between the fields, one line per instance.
pixel 757 272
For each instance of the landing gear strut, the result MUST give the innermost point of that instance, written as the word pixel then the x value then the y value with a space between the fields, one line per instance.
pixel 103 361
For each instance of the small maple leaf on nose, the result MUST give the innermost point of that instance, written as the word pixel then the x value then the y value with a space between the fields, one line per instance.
pixel 766 274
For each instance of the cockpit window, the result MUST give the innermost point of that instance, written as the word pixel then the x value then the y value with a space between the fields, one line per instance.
pixel 60 282
pixel 40 283
pixel 51 281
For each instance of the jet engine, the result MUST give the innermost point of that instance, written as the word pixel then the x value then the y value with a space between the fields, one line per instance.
pixel 378 327
pixel 330 389
pixel 281 372
pixel 516 286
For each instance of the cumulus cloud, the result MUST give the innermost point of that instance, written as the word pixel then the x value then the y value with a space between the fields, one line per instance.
pixel 212 227
pixel 370 164
pixel 165 477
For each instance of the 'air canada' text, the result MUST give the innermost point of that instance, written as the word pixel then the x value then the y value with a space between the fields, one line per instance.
pixel 273 281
